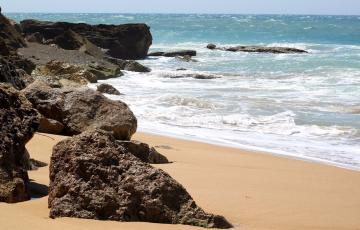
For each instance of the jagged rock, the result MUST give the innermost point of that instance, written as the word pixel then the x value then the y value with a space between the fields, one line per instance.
pixel 19 122
pixel 10 75
pixel 144 152
pixel 103 73
pixel 136 67
pixel 174 53
pixel 64 70
pixel 128 65
pixel 109 89
pixel 93 177
pixel 129 41
pixel 258 49
pixel 10 35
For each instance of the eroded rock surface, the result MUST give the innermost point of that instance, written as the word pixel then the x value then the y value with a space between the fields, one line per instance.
pixel 19 121
pixel 258 49
pixel 93 177
pixel 109 89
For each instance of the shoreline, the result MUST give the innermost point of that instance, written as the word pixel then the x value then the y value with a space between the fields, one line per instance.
pixel 254 149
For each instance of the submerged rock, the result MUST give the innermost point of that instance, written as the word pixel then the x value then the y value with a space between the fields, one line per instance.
pixel 258 49
pixel 129 41
pixel 190 53
pixel 109 89
pixel 93 177
pixel 19 121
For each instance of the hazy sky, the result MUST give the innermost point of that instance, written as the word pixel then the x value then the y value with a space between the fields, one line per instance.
pixel 187 6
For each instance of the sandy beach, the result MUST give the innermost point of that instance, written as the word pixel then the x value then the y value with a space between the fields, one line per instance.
pixel 252 190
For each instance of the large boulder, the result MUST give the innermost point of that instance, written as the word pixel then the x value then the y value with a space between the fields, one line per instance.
pixel 129 41
pixel 19 121
pixel 81 109
pixel 86 109
pixel 93 177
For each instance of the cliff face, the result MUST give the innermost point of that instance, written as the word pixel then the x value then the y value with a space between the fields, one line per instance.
pixel 129 41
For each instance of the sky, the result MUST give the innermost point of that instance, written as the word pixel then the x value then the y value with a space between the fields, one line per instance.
pixel 328 7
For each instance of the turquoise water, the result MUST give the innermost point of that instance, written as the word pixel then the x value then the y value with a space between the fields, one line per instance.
pixel 306 106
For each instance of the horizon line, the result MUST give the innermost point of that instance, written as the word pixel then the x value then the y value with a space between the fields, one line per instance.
pixel 192 13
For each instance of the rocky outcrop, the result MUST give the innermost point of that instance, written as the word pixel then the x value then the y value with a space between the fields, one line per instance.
pixel 144 152
pixel 108 89
pixel 258 49
pixel 195 76
pixel 82 109
pixel 93 177
pixel 182 53
pixel 10 75
pixel 19 121
pixel 103 73
pixel 136 67
pixel 9 35
pixel 129 41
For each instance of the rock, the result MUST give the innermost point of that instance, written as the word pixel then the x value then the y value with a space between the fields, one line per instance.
pixel 174 53
pixel 103 73
pixel 128 65
pixel 87 109
pixel 136 67
pixel 35 164
pixel 81 109
pixel 50 126
pixel 48 101
pixel 144 152
pixel 259 49
pixel 9 74
pixel 211 46
pixel 109 89
pixel 19 121
pixel 196 76
pixel 93 177
pixel 129 41
pixel 181 69
pixel 70 40
pixel 185 58
pixel 35 37
pixel 68 71
pixel 10 35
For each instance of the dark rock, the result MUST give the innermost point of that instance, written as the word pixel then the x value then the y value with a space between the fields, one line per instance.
pixel 35 37
pixel 35 164
pixel 136 67
pixel 259 49
pixel 93 177
pixel 196 76
pixel 10 35
pixel 144 152
pixel 174 53
pixel 9 74
pixel 129 41
pixel 50 126
pixel 19 121
pixel 211 46
pixel 185 58
pixel 103 73
pixel 181 69
pixel 109 89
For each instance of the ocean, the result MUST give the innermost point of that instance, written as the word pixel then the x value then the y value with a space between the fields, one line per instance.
pixel 298 105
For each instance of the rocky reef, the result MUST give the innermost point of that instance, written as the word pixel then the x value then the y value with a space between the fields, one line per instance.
pixel 257 49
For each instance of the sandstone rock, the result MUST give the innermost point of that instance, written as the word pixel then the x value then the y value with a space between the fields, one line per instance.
pixel 258 49
pixel 50 126
pixel 129 41
pixel 19 121
pixel 174 53
pixel 87 109
pixel 93 177
pixel 64 70
pixel 82 109
pixel 144 152
pixel 109 89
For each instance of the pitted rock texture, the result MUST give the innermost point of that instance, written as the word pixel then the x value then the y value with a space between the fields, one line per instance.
pixel 93 177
